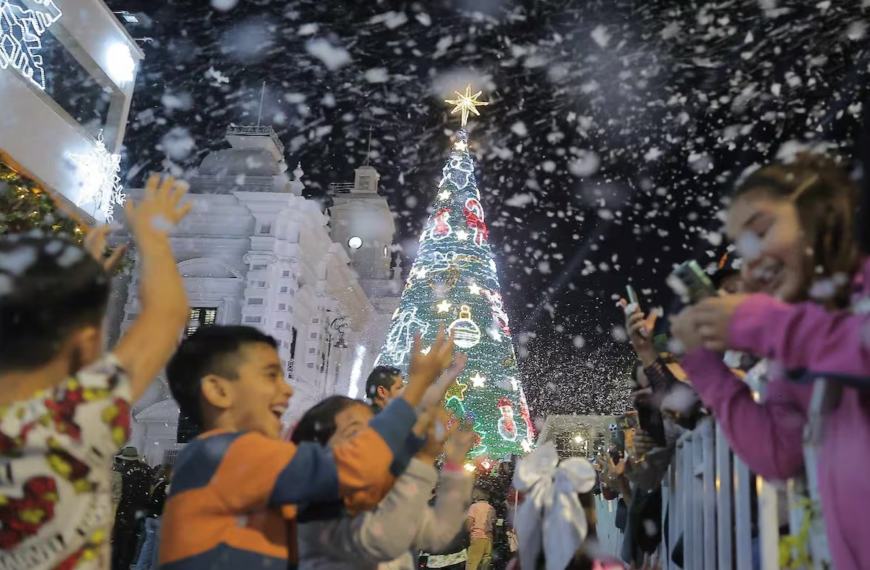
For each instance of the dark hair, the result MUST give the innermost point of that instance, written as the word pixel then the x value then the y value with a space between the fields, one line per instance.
pixel 381 377
pixel 826 200
pixel 49 287
pixel 212 349
pixel 318 423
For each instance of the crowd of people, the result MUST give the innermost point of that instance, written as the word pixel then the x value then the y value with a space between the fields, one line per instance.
pixel 789 310
pixel 359 485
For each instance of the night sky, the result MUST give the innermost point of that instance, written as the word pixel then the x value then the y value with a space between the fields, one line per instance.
pixel 615 130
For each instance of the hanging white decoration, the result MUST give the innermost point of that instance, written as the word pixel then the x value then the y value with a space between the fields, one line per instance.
pixel 20 32
pixel 466 334
pixel 102 183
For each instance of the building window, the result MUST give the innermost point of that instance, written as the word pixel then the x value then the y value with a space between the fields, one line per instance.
pixel 365 182
pixel 280 324
pixel 266 229
pixel 259 267
pixel 255 301
pixel 253 320
pixel 283 289
pixel 200 316
pixel 282 306
pixel 286 274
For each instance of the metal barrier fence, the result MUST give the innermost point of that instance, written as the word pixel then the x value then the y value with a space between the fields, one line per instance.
pixel 707 501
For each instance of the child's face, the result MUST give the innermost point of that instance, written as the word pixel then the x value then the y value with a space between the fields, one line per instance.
pixel 349 422
pixel 770 240
pixel 259 396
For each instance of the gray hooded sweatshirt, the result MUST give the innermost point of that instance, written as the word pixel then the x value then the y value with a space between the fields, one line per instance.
pixel 401 523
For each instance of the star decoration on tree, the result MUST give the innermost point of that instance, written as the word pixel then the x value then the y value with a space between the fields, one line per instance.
pixel 444 195
pixel 461 146
pixel 443 306
pixel 527 445
pixel 478 380
pixel 475 289
pixel 467 103
pixel 462 235
pixel 456 390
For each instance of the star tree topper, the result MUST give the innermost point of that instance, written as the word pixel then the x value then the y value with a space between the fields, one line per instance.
pixel 467 103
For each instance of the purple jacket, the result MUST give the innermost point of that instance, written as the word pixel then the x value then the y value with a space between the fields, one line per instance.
pixel 768 436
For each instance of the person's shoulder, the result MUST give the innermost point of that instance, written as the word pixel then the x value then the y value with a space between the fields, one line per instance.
pixel 106 374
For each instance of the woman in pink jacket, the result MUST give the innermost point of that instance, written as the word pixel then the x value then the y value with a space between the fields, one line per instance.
pixel 793 225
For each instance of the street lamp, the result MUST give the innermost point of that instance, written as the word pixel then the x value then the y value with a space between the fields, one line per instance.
pixel 578 439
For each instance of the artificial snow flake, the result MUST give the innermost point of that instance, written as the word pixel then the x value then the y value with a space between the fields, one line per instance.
pixel 102 183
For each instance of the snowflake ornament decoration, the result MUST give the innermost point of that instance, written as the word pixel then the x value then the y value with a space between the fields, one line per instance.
pixel 20 32
pixel 102 181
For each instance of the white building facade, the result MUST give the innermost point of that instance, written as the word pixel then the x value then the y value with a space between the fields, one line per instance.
pixel 254 251
pixel 67 71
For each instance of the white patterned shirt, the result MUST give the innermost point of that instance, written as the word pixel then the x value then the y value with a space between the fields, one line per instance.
pixel 56 454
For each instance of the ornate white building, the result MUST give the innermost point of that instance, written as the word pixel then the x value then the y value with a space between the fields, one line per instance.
pixel 254 251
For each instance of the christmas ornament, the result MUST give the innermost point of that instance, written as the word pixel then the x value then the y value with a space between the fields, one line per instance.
pixel 474 220
pixel 478 381
pixel 466 334
pixel 507 427
pixel 441 228
pixel 444 307
pixel 456 391
pixel 103 185
pixel 20 32
pixel 467 103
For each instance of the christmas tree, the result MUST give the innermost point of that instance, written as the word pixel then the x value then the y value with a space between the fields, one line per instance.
pixel 453 282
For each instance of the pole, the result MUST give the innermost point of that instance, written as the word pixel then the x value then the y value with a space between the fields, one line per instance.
pixel 262 95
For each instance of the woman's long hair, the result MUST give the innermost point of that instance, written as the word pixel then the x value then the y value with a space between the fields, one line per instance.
pixel 826 200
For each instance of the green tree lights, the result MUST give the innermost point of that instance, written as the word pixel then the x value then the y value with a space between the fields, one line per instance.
pixel 453 282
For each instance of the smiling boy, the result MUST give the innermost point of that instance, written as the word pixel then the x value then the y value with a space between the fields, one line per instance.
pixel 236 486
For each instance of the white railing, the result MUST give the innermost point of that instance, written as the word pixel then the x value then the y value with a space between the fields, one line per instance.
pixel 708 495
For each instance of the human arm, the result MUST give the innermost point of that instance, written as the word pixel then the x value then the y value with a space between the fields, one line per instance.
pixel 443 522
pixel 767 436
pixel 801 337
pixel 146 347
pixel 386 532
pixel 640 331
pixel 258 472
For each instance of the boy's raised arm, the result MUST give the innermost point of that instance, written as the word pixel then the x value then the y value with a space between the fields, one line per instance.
pixel 146 347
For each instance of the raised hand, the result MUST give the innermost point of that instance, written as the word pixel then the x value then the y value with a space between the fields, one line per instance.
pixel 425 369
pixel 159 209
pixel 95 245
pixel 640 331
pixel 460 443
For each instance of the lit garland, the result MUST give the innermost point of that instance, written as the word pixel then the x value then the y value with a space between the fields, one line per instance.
pixel 25 206
pixel 453 282
pixel 20 32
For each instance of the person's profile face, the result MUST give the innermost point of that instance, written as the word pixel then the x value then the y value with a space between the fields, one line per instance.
pixel 395 391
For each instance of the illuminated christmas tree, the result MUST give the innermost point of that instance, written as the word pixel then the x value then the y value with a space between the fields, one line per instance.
pixel 453 282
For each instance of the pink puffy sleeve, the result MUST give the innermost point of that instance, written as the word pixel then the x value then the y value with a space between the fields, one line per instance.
pixel 766 436
pixel 804 336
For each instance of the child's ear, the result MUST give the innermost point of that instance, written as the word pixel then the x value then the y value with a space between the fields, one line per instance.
pixel 216 392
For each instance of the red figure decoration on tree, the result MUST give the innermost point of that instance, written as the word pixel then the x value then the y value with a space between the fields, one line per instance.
pixel 474 219
pixel 442 228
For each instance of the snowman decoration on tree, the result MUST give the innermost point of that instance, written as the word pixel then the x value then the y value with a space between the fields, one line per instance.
pixel 508 428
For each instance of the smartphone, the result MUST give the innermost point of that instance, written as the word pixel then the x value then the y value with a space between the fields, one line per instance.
pixel 632 296
pixel 691 283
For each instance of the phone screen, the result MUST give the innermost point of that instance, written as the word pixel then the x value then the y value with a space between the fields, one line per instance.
pixel 632 296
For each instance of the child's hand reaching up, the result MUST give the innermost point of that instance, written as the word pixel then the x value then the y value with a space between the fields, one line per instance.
pixel 433 400
pixel 425 369
pixel 460 443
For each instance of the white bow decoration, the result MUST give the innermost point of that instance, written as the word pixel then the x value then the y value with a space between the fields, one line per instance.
pixel 551 517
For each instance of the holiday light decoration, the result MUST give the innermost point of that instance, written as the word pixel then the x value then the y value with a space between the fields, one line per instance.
pixel 20 32
pixel 103 185
pixel 466 103
pixel 453 283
